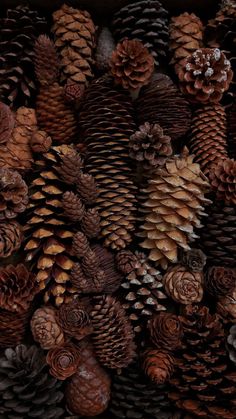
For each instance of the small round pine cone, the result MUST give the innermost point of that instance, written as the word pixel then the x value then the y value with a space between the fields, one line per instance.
pixel 223 180
pixel 158 365
pixel 40 142
pixel 70 168
pixel 183 286
pixel 90 223
pixel 73 92
pixel 126 261
pixel 10 238
pixel 86 187
pixel 165 331
pixel 74 320
pixel 220 281
pixel 131 64
pixel 205 75
pixel 63 360
pixel 45 328
pixel 73 206
pixel 13 194
pixel 80 245
pixel 7 123
pixel 194 259
pixel 90 263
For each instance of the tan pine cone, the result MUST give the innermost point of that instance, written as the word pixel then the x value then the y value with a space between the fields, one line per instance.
pixel 45 328
pixel 194 259
pixel 220 281
pixel 90 263
pixel 90 223
pixel 205 75
pixel 87 188
pixel 222 177
pixel 80 245
pixel 183 286
pixel 73 206
pixel 74 320
pixel 92 284
pixel 7 123
pixel 46 61
pixel 126 261
pixel 158 365
pixel 131 64
pixel 40 142
pixel 165 331
pixel 10 238
pixel 70 167
pixel 13 194
pixel 63 360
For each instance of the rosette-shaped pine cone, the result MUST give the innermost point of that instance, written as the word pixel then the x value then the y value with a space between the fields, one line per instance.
pixel 14 327
pixel 220 281
pixel 203 383
pixel 40 142
pixel 173 208
pixel 186 33
pixel 74 33
pixel 126 261
pixel 19 29
pixel 63 360
pixel 90 223
pixel 45 328
pixel 194 259
pixel 205 75
pixel 112 333
pixel 158 365
pixel 73 206
pixel 74 320
pixel 10 238
pixel 222 177
pixel 149 146
pixel 165 331
pixel 104 49
pixel 161 103
pixel 231 128
pixel 80 245
pixel 147 22
pixel 131 64
pixel 231 344
pixel 88 391
pixel 183 286
pixel 13 194
pixel 7 122
pixel 27 389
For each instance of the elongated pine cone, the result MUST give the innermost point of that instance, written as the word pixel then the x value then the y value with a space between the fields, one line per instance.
pixel 90 223
pixel 205 75
pixel 40 142
pixel 7 122
pixel 231 344
pixel 220 281
pixel 194 259
pixel 112 333
pixel 63 360
pixel 46 329
pixel 87 188
pixel 165 331
pixel 13 194
pixel 158 365
pixel 80 244
pixel 74 320
pixel 46 61
pixel 131 64
pixel 73 206
pixel 10 238
pixel 222 177
pixel 70 167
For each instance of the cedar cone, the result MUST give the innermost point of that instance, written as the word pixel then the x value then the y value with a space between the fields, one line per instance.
pixel 150 146
pixel 70 167
pixel 222 177
pixel 226 306
pixel 73 206
pixel 158 365
pixel 231 128
pixel 88 391
pixel 13 194
pixel 87 189
pixel 40 142
pixel 131 64
pixel 90 223
pixel 194 259
pixel 112 333
pixel 205 75
pixel 46 61
pixel 90 263
pixel 165 331
pixel 10 238
pixel 104 49
pixel 126 261
pixel 220 281
pixel 231 344
pixel 7 122
pixel 13 327
pixel 46 329
pixel 63 360
pixel 74 320
pixel 80 245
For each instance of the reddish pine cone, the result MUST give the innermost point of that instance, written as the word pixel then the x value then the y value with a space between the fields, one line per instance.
pixel 13 194
pixel 205 75
pixel 220 281
pixel 194 259
pixel 158 365
pixel 126 261
pixel 40 142
pixel 73 206
pixel 80 245
pixel 165 331
pixel 74 320
pixel 90 223
pixel 131 64
pixel 223 180
pixel 10 238
pixel 63 361
pixel 45 328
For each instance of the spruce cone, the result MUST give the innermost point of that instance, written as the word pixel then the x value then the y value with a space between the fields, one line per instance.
pixel 231 126
pixel 165 331
pixel 112 333
pixel 19 30
pixel 147 22
pixel 90 223
pixel 158 365
pixel 73 206
pixel 105 47
pixel 112 277
pixel 40 142
pixel 90 263
pixel 63 360
pixel 231 344
pixel 7 122
pixel 13 194
pixel 222 177
pixel 161 103
pixel 27 389
pixel 174 207
pixel 194 259
pixel 46 329
pixel 10 238
pixel 220 281
pixel 86 186
pixel 74 34
pixel 126 261
pixel 13 328
pixel 91 284
pixel 74 320
pixel 205 75
pixel 46 61
pixel 70 167
pixel 80 245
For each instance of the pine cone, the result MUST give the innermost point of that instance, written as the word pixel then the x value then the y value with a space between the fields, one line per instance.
pixel 74 34
pixel 7 122
pixel 126 261
pixel 158 365
pixel 13 328
pixel 226 307
pixel 90 263
pixel 165 331
pixel 74 320
pixel 231 127
pixel 80 245
pixel 73 206
pixel 161 103
pixel 194 259
pixel 92 284
pixel 113 277
pixel 112 333
pixel 90 223
pixel 205 75
pixel 105 47
pixel 10 238
pixel 46 60
pixel 131 64
pixel 147 22
pixel 46 329
pixel 13 194
pixel 73 92
pixel 40 142
pixel 63 360
pixel 19 30
pixel 174 207
pixel 24 368
pixel 220 281
pixel 231 344
pixel 222 177
pixel 86 187
pixel 88 391
pixel 70 167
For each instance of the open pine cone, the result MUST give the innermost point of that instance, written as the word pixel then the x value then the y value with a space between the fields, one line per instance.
pixel 223 180
pixel 10 238
pixel 220 281
pixel 45 328
pixel 13 194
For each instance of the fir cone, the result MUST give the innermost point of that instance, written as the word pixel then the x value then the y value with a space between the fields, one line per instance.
pixel 222 177
pixel 147 22
pixel 131 64
pixel 7 123
pixel 46 61
pixel 194 259
pixel 80 245
pixel 126 261
pixel 10 238
pixel 104 49
pixel 231 344
pixel 112 333
pixel 74 320
pixel 220 281
pixel 158 365
pixel 205 75
pixel 165 331
pixel 161 103
pixel 23 369
pixel 40 142
pixel 13 328
pixel 74 34
pixel 70 167
pixel 63 360
pixel 13 194
pixel 86 186
pixel 46 329
pixel 73 206
pixel 231 128
pixel 90 223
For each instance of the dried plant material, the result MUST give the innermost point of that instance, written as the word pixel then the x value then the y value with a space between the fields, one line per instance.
pixel 126 261
pixel 70 166
pixel 231 131
pixel 87 188
pixel 112 277
pixel 105 47
pixel 45 328
pixel 40 142
pixel 10 238
pixel 73 206
pixel 231 344
pixel 46 61
pixel 7 123
pixel 194 259
pixel 165 331
pixel 226 306
pixel 74 320
pixel 80 245
pixel 223 180
pixel 13 194
pixel 87 284
pixel 220 281
pixel 13 327
pixel 158 365
pixel 90 223
pixel 73 92
pixel 63 360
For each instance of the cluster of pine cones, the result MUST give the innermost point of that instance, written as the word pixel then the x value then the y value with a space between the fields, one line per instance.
pixel 118 214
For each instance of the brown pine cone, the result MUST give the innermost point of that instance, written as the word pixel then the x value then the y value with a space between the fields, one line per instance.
pixel 150 146
pixel 13 194
pixel 10 238
pixel 90 223
pixel 73 92
pixel 231 344
pixel 13 328
pixel 46 329
pixel 158 365
pixel 74 320
pixel 40 142
pixel 131 64
pixel 105 47
pixel 70 168
pixel 107 263
pixel 90 263
pixel 7 123
pixel 80 245
pixel 72 206
pixel 126 261
pixel 222 177
pixel 226 306
pixel 86 187
pixel 231 130
pixel 184 286
pixel 165 331
pixel 205 75
pixel 46 61
pixel 194 259
pixel 92 284
pixel 220 281
pixel 63 360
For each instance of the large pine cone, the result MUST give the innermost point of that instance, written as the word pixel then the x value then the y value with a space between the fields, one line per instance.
pixel 13 194
pixel 45 328
pixel 222 177
pixel 10 238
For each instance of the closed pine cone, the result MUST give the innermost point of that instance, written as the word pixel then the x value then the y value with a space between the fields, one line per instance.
pixel 165 331
pixel 222 177
pixel 87 188
pixel 87 284
pixel 220 281
pixel 13 194
pixel 70 167
pixel 73 206
pixel 80 244
pixel 45 328
pixel 46 61
pixel 158 365
pixel 90 223
pixel 10 238
pixel 231 128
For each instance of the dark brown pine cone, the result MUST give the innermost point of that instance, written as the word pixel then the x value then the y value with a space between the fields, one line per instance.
pixel 74 320
pixel 80 244
pixel 90 223
pixel 86 187
pixel 165 331
pixel 220 281
pixel 91 284
pixel 73 206
pixel 107 263
pixel 158 365
pixel 226 307
pixel 231 128
pixel 70 168
pixel 10 238
pixel 90 263
pixel 194 259
pixel 231 344
pixel 63 360
pixel 7 123
pixel 126 261
pixel 46 329
pixel 14 327
pixel 73 92
pixel 46 61
pixel 223 180
pixel 40 142
pixel 13 194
